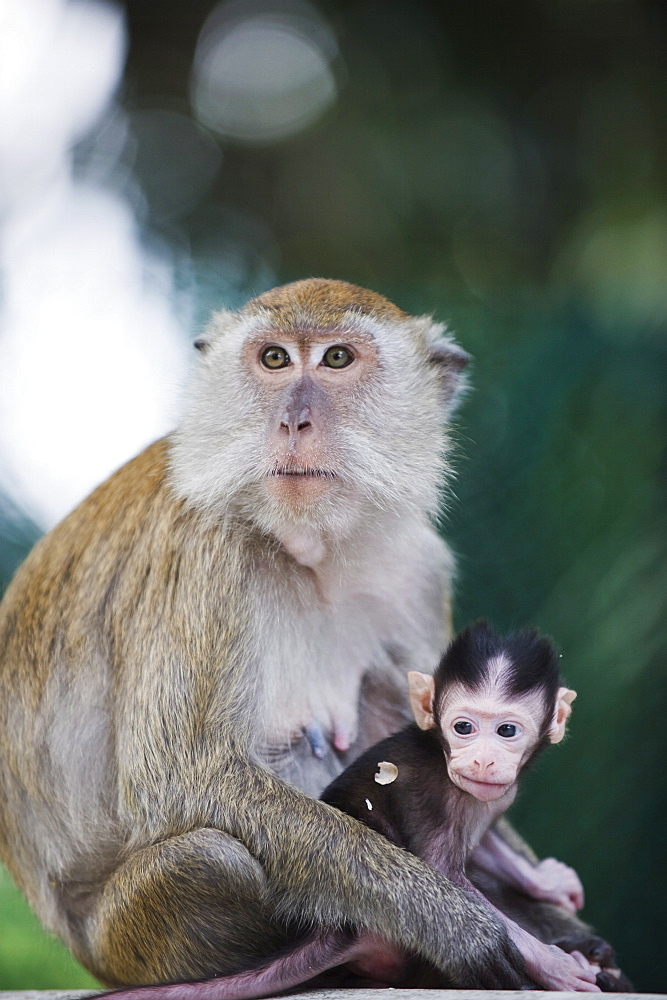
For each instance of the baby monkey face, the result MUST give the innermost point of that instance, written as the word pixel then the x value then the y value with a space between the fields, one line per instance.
pixel 487 729
pixel 488 739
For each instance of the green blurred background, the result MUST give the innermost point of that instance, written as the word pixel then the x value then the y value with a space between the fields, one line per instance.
pixel 501 165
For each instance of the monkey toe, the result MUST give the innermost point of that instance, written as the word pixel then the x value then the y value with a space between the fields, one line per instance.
pixel 612 980
pixel 594 948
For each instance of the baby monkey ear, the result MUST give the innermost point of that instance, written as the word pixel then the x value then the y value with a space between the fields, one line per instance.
pixel 562 714
pixel 422 689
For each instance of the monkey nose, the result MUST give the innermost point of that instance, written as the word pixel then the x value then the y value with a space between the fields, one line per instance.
pixel 293 423
pixel 483 764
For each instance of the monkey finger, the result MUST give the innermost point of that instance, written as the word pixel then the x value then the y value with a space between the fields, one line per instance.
pixel 566 903
pixel 584 963
pixel 575 891
pixel 557 883
pixel 573 902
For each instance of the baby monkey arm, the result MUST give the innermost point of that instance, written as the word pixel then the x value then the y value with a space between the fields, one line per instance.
pixel 549 880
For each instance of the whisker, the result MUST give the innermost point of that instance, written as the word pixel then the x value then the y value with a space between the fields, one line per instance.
pixel 283 470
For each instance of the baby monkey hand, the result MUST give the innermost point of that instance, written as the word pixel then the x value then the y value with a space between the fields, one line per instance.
pixel 557 883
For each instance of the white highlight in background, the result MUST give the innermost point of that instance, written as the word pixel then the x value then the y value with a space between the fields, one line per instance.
pixel 91 357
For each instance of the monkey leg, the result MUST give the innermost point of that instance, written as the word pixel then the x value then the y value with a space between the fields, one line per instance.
pixel 296 964
pixel 191 907
pixel 293 966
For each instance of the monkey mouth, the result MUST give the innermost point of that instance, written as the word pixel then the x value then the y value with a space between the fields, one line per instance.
pixel 300 485
pixel 302 470
pixel 483 790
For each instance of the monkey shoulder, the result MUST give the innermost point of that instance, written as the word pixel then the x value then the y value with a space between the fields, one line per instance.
pixel 396 808
pixel 121 499
pixel 131 530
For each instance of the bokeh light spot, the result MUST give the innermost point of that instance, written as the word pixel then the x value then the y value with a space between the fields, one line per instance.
pixel 263 73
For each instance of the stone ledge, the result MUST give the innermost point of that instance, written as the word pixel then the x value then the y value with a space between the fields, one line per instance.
pixel 363 994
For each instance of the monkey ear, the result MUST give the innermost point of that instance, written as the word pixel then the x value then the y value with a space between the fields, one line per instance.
pixel 449 355
pixel 422 690
pixel 562 714
pixel 450 361
pixel 220 323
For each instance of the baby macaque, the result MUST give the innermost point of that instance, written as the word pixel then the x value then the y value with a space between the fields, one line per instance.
pixel 435 789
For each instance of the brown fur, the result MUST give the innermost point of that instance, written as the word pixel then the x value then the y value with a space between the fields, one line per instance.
pixel 329 300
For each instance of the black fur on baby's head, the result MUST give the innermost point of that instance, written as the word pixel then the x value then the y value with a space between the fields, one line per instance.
pixel 518 663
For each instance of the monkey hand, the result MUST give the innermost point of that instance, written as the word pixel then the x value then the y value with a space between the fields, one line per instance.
pixel 554 969
pixel 601 955
pixel 554 882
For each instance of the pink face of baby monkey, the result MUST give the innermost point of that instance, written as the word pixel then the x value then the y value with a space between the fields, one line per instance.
pixel 489 739
pixel 489 735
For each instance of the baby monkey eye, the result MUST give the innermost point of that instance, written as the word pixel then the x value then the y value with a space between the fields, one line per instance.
pixel 463 728
pixel 275 357
pixel 337 357
pixel 507 730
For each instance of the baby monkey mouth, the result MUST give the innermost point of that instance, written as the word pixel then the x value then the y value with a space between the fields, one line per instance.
pixel 486 791
pixel 486 784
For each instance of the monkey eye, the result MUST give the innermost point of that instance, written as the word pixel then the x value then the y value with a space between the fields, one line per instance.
pixel 507 730
pixel 275 357
pixel 337 357
pixel 463 728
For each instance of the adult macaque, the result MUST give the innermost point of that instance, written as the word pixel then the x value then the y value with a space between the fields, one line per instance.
pixel 208 639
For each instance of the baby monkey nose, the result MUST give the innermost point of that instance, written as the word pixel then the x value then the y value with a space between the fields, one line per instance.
pixel 483 764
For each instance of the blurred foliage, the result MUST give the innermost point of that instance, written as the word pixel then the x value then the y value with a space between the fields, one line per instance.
pixel 17 536
pixel 503 166
pixel 28 957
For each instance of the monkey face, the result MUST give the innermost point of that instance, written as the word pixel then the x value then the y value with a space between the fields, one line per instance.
pixel 316 406
pixel 488 739
pixel 307 386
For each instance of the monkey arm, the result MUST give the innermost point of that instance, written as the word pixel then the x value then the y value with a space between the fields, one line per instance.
pixel 548 922
pixel 191 905
pixel 506 832
pixel 548 965
pixel 330 869
pixel 549 879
